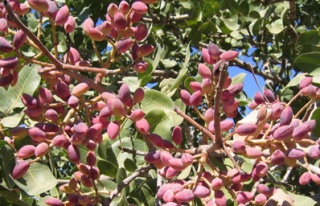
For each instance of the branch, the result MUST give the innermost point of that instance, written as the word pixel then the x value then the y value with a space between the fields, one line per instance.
pixel 126 182
pixel 217 99
pixel 46 52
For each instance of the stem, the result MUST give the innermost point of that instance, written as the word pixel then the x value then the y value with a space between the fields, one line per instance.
pixel 304 107
pixel 195 124
pixel 217 99
pixel 126 182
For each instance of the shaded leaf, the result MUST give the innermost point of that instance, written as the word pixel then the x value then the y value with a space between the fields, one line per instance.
pixel 308 62
pixel 28 82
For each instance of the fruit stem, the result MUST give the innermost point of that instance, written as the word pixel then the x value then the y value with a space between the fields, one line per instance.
pixel 194 123
pixel 217 100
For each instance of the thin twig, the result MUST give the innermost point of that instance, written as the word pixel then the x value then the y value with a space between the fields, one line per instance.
pixel 194 123
pixel 217 100
pixel 126 182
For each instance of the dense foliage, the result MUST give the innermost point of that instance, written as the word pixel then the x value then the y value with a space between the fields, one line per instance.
pixel 132 102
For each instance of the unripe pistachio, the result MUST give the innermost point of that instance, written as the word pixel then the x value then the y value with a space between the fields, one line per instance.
pixel 73 153
pixel 26 151
pixel 204 71
pixel 120 21
pixel 41 149
pixel 196 98
pixel 144 50
pixel 123 45
pixel 18 132
pixel 206 56
pixel 45 96
pixel 184 196
pixel 9 62
pixel 80 89
pixel 229 55
pixel 138 95
pixel 112 9
pixel 19 39
pixel 201 191
pixel 39 5
pixel 113 130
pixel 305 178
pixel 20 169
pixel 286 116
pixel 277 157
pixel 177 135
pixel 140 66
pixel 213 51
pixel 246 129
pixel 5 46
pixel 140 32
pixel 62 15
pixel 139 7
pixel 296 153
pixel 70 24
pixel 269 95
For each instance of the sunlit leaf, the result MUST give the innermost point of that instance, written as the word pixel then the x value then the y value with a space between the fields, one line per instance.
pixel 37 180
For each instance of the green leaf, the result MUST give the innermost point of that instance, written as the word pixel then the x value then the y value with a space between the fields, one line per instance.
pixel 231 24
pixel 302 199
pixel 62 46
pixel 308 41
pixel 37 180
pixel 316 116
pixel 239 78
pixel 161 52
pixel 156 100
pixel 121 175
pixel 185 172
pixel 107 168
pixel 132 82
pixel 28 82
pixel 7 164
pixel 295 81
pixel 133 144
pixel 182 72
pixel 160 123
pixel 168 63
pixel 13 120
pixel 107 161
pixel 129 165
pixel 275 27
pixel 231 5
pixel 12 197
pixel 33 23
pixel 316 80
pixel 308 62
pixel 145 80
